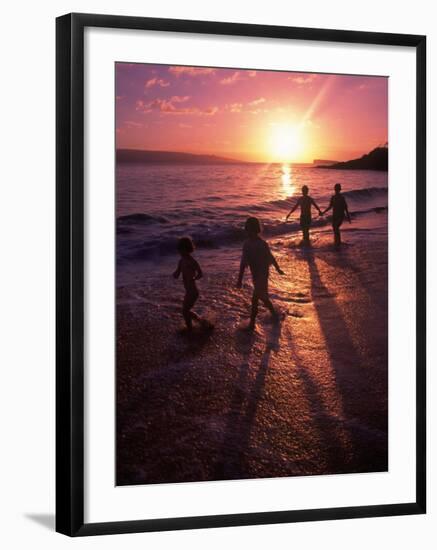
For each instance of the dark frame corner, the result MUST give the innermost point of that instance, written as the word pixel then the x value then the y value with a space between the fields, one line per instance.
pixel 70 278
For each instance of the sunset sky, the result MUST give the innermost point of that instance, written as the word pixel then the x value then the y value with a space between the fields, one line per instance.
pixel 249 115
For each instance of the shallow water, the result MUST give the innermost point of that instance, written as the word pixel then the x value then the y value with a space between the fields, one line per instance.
pixel 156 204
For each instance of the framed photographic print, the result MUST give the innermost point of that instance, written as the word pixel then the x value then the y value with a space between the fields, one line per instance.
pixel 240 274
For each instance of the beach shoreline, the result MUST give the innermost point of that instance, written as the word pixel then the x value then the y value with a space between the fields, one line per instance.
pixel 306 396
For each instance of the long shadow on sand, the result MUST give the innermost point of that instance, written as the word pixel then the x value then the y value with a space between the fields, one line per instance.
pixel 343 259
pixel 364 410
pixel 233 459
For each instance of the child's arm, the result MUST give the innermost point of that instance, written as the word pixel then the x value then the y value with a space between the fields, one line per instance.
pixel 243 265
pixel 328 208
pixel 292 210
pixel 276 266
pixel 178 271
pixel 199 273
pixel 274 262
pixel 347 212
pixel 316 207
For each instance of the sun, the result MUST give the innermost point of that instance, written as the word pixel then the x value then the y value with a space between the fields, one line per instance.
pixel 285 142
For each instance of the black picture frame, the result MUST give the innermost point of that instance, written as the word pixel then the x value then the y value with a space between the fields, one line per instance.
pixel 70 273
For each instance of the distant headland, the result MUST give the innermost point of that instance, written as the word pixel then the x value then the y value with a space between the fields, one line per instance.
pixel 377 159
pixel 170 157
pixel 322 162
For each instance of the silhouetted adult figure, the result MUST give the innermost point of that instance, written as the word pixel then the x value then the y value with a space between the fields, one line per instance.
pixel 339 212
pixel 305 202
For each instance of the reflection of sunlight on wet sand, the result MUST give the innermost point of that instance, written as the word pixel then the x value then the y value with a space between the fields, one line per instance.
pixel 351 289
pixel 302 370
pixel 316 373
pixel 288 186
pixel 317 382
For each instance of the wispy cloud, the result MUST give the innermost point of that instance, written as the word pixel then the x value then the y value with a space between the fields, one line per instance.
pixel 237 76
pixel 235 107
pixel 257 101
pixel 303 79
pixel 156 82
pixel 191 71
pixel 250 107
pixel 172 107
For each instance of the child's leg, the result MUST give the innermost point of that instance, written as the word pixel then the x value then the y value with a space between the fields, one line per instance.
pixel 306 234
pixel 193 313
pixel 269 306
pixel 337 236
pixel 254 310
pixel 263 295
pixel 187 318
pixel 189 301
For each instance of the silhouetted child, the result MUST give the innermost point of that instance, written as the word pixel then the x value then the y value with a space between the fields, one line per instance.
pixel 191 272
pixel 257 255
pixel 305 202
pixel 339 211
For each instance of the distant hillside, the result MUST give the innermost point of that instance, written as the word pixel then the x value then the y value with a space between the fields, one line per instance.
pixel 322 162
pixel 375 160
pixel 170 157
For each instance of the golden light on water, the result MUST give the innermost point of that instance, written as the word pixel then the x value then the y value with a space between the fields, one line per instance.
pixel 288 186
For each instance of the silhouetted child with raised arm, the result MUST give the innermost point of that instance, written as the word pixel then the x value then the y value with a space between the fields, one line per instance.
pixel 191 272
pixel 305 202
pixel 339 211
pixel 257 255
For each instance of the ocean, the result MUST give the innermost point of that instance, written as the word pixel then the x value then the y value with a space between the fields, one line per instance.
pixel 157 204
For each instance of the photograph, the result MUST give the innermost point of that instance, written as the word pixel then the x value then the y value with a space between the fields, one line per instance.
pixel 251 273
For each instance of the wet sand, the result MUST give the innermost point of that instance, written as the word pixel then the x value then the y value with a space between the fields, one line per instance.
pixel 306 396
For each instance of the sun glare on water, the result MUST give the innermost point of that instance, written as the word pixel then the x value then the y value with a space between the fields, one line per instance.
pixel 288 187
pixel 285 142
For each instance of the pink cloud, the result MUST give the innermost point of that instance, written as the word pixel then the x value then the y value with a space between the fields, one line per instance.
pixel 303 79
pixel 250 107
pixel 257 101
pixel 156 82
pixel 231 79
pixel 171 107
pixel 191 71
pixel 235 107
pixel 237 76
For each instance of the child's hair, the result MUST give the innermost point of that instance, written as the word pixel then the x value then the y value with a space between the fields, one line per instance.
pixel 337 187
pixel 252 226
pixel 305 189
pixel 185 244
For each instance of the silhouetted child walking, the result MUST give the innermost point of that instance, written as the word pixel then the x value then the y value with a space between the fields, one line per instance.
pixel 305 202
pixel 339 211
pixel 191 272
pixel 257 255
